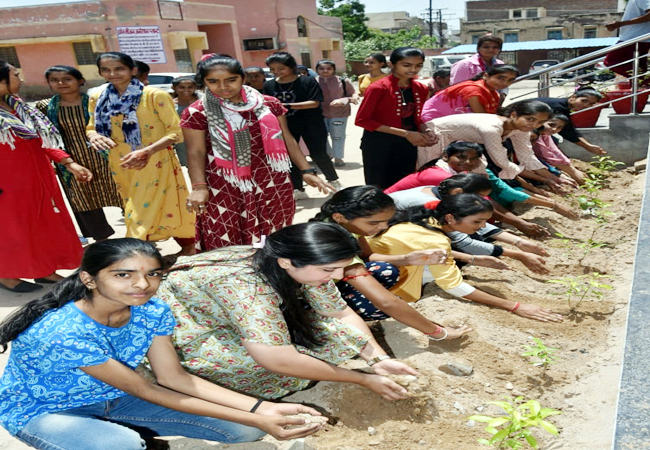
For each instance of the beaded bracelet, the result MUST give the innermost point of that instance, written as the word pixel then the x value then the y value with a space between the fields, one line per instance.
pixel 514 308
pixel 351 277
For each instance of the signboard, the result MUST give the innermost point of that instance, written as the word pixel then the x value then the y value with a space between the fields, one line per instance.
pixel 142 43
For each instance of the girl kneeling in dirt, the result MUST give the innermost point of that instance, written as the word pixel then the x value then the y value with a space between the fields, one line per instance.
pixel 70 381
pixel 477 248
pixel 422 228
pixel 267 321
pixel 365 211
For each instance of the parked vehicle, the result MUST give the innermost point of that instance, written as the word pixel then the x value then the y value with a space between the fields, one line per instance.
pixel 542 64
pixel 163 80
pixel 433 63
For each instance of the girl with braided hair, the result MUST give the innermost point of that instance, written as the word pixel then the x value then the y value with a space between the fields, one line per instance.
pixel 365 211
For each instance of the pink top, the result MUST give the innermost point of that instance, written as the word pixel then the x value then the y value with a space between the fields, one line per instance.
pixel 455 100
pixel 468 68
pixel 432 176
pixel 546 149
pixel 486 129
pixel 333 89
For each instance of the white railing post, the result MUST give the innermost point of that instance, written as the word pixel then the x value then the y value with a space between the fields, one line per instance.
pixel 635 80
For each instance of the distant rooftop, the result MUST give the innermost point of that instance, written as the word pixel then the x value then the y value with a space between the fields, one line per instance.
pixel 540 45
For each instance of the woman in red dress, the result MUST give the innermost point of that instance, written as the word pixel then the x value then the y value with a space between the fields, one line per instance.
pixel 239 152
pixel 37 236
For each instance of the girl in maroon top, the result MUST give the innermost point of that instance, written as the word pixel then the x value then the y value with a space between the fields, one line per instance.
pixel 390 116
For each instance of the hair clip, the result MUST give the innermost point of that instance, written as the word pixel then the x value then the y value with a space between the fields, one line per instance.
pixel 261 243
pixel 433 204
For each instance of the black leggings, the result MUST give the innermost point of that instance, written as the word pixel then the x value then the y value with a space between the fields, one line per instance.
pixel 386 158
pixel 314 133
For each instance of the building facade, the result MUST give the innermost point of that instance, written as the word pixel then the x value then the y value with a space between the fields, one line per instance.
pixel 538 20
pixel 170 36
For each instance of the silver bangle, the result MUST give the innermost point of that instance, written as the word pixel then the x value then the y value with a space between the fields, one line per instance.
pixel 517 242
pixel 439 339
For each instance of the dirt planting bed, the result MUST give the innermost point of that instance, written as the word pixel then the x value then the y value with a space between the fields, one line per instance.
pixel 582 385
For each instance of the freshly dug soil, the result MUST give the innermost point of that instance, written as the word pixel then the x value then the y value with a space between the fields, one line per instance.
pixel 583 384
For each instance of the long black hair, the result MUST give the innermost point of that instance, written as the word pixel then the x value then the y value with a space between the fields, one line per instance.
pixel 496 69
pixel 313 243
pixel 206 65
pixel 469 183
pixel 65 69
pixel 459 206
pixel 525 108
pixel 5 70
pixel 121 57
pixel 401 53
pixel 97 257
pixel 284 58
pixel 355 202
pixel 452 149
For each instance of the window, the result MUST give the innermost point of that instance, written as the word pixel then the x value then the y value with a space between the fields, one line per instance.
pixel 326 54
pixel 336 45
pixel 475 38
pixel 531 14
pixel 302 26
pixel 590 32
pixel 511 37
pixel 554 34
pixel 9 54
pixel 83 51
pixel 306 59
pixel 508 57
pixel 183 60
pixel 517 14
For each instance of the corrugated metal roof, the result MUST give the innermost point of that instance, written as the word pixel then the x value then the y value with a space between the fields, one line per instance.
pixel 539 45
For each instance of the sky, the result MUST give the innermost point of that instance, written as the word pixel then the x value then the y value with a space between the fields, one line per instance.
pixel 452 9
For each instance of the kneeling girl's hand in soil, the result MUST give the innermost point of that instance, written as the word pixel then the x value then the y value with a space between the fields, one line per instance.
pixel 385 387
pixel 281 427
pixel 538 313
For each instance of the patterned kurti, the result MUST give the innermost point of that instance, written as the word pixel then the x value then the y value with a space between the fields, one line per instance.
pixel 154 197
pixel 218 301
pixel 234 217
pixel 101 191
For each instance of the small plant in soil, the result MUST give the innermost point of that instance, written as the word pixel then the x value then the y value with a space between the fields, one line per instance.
pixel 582 287
pixel 604 164
pixel 589 245
pixel 540 355
pixel 566 244
pixel 514 429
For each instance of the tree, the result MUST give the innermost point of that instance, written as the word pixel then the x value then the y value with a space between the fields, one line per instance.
pixel 352 14
pixel 359 49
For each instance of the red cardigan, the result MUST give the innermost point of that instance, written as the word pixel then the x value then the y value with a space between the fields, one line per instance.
pixel 381 104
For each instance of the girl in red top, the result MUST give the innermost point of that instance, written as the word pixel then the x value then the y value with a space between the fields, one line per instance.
pixel 478 95
pixel 390 116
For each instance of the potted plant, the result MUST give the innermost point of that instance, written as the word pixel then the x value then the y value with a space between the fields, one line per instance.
pixel 624 106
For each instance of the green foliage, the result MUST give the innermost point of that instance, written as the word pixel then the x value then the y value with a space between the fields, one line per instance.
pixel 359 49
pixel 605 163
pixel 567 244
pixel 513 429
pixel 581 287
pixel 587 246
pixel 352 14
pixel 543 355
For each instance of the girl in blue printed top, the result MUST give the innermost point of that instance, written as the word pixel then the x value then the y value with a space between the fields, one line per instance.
pixel 390 115
pixel 70 381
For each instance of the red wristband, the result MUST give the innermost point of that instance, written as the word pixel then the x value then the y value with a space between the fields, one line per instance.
pixel 355 276
pixel 514 308
pixel 438 330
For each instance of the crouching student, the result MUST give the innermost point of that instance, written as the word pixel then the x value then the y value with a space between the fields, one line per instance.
pixel 70 381
pixel 267 322
pixel 422 228
pixel 365 211
pixel 547 150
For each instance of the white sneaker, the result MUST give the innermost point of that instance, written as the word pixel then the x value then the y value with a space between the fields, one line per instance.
pixel 337 185
pixel 300 195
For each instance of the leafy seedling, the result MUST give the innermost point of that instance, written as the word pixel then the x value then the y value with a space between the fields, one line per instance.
pixel 540 355
pixel 582 287
pixel 589 245
pixel 514 429
pixel 605 163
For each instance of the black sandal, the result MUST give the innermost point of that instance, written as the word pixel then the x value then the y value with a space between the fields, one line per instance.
pixel 22 288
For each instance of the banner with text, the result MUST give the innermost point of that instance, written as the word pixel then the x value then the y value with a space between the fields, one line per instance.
pixel 142 43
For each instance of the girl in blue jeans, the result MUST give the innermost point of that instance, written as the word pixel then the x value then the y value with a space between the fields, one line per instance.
pixel 365 211
pixel 70 382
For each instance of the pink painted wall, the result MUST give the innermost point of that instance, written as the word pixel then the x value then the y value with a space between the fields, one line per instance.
pixel 35 59
pixel 223 38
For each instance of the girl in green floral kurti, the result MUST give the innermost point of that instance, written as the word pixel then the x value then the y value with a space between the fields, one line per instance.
pixel 268 321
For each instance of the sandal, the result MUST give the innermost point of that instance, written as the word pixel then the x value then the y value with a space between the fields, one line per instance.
pixel 22 287
pixel 46 281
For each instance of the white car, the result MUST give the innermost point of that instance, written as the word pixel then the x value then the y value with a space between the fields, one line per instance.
pixel 542 64
pixel 433 63
pixel 163 80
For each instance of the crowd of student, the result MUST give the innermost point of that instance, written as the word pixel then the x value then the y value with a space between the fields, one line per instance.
pixel 265 308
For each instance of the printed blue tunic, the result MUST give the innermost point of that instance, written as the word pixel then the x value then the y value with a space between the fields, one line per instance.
pixel 43 375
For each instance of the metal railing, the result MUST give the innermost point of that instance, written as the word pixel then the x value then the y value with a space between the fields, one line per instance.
pixel 549 74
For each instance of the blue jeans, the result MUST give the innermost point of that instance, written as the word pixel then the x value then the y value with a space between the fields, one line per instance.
pixel 387 275
pixel 336 130
pixel 121 424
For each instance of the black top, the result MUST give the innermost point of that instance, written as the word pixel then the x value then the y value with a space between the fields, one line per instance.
pixel 561 106
pixel 302 89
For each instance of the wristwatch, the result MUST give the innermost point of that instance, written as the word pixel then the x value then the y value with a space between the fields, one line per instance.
pixel 311 171
pixel 376 359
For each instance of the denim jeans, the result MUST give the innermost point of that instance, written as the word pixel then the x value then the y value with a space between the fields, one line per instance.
pixel 336 130
pixel 122 423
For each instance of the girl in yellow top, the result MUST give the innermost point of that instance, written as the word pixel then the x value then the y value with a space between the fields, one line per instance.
pixel 374 63
pixel 423 228
pixel 136 126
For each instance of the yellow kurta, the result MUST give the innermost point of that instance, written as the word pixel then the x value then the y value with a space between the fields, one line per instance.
pixel 404 238
pixel 154 197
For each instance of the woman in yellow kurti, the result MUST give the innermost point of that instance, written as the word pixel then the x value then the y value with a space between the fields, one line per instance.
pixel 425 228
pixel 137 126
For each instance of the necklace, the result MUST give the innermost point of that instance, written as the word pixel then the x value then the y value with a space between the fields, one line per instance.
pixel 402 95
